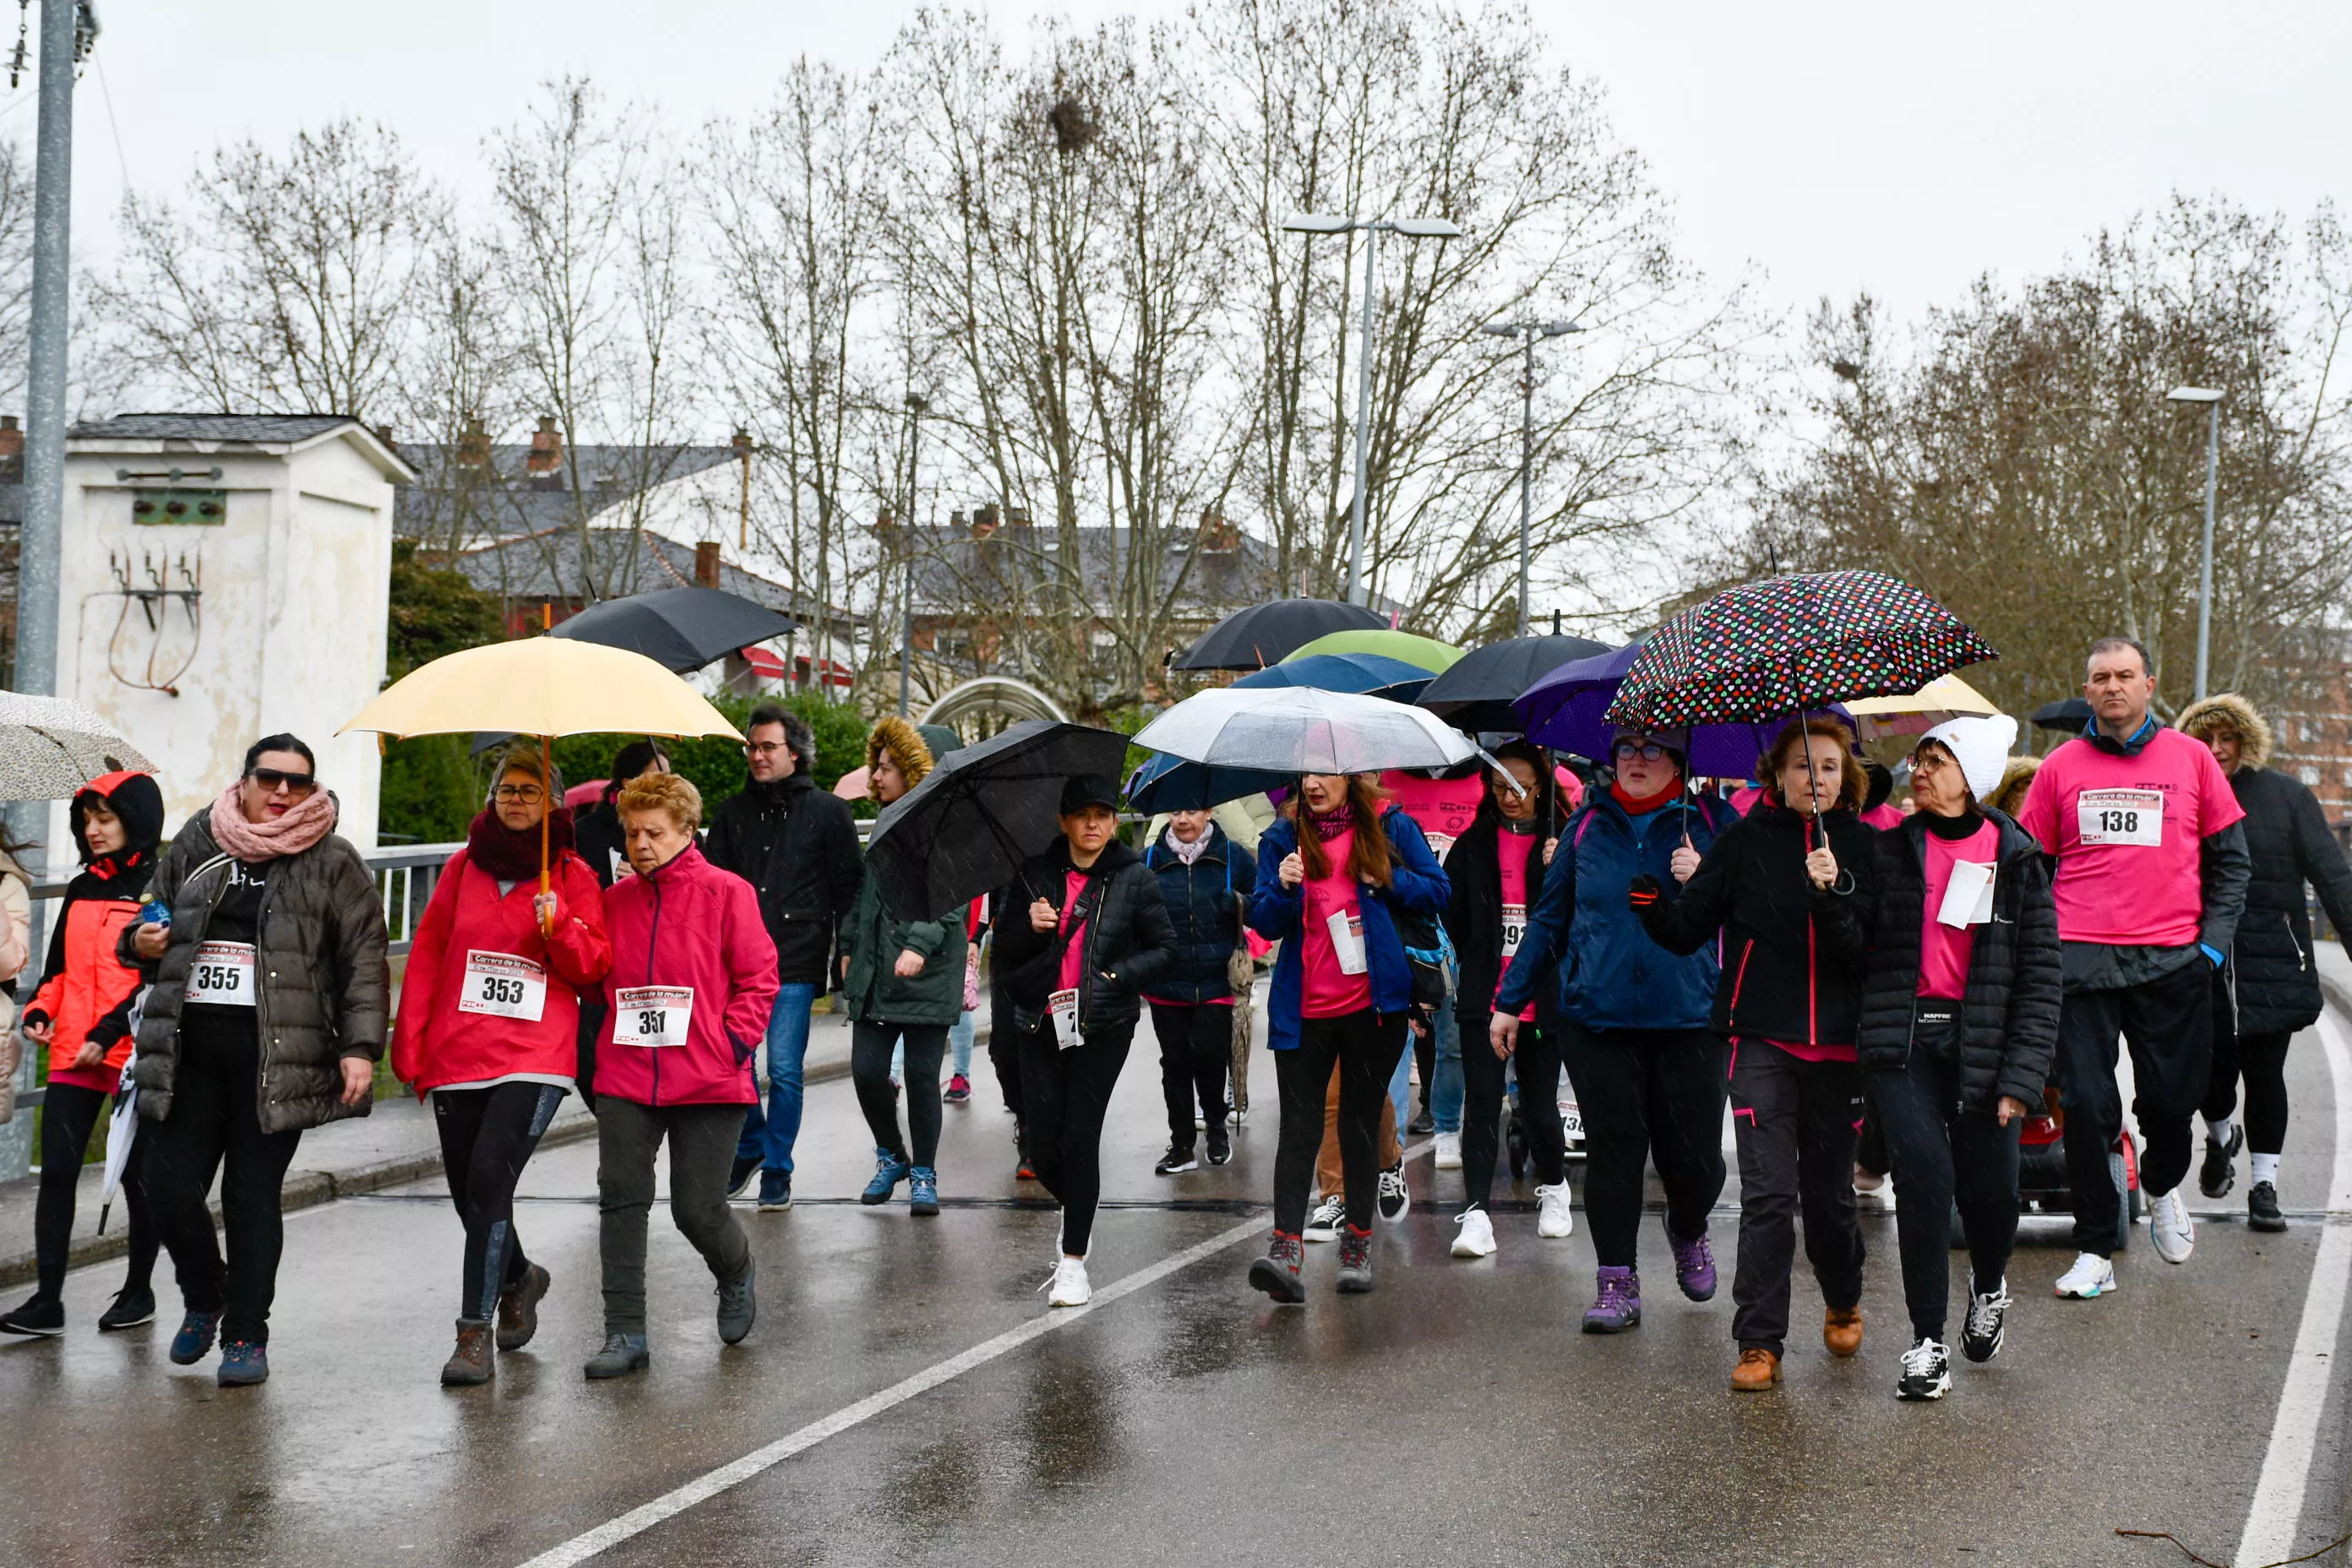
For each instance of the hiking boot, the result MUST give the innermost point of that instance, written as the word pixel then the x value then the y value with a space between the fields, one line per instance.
pixel 1618 1304
pixel 740 1174
pixel 131 1309
pixel 1984 1327
pixel 922 1192
pixel 1355 1260
pixel 2217 1174
pixel 243 1364
pixel 1693 1266
pixel 1277 1273
pixel 736 1308
pixel 1927 1372
pixel 1324 1221
pixel 1176 1161
pixel 471 1362
pixel 1842 1330
pixel 889 1170
pixel 1758 1370
pixel 621 1354
pixel 519 1308
pixel 2263 1208
pixel 1394 1196
pixel 194 1340
pixel 775 1191
pixel 44 1319
pixel 1220 1144
pixel 959 1090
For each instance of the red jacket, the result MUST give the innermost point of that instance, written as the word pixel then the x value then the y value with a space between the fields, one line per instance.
pixel 688 930
pixel 435 1043
pixel 87 994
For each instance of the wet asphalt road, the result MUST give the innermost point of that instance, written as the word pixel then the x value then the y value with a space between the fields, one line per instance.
pixel 1454 1416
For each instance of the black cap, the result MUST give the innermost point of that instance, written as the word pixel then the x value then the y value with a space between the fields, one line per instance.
pixel 1082 790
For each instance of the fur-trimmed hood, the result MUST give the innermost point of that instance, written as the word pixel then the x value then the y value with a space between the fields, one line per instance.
pixel 2228 710
pixel 2015 780
pixel 904 742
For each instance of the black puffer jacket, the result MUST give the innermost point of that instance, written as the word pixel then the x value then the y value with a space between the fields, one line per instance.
pixel 1204 903
pixel 1788 975
pixel 2271 957
pixel 797 845
pixel 1129 939
pixel 2009 1015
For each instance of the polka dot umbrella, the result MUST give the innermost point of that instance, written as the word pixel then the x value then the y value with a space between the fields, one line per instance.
pixel 1765 650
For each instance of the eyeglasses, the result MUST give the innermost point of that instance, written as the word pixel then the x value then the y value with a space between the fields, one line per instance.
pixel 529 794
pixel 765 748
pixel 1648 750
pixel 1926 763
pixel 271 781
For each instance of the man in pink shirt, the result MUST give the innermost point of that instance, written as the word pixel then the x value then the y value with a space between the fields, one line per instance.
pixel 2151 875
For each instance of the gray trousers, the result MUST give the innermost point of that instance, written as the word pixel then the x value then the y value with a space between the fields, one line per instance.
pixel 701 1148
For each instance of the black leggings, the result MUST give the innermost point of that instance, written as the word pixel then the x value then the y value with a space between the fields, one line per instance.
pixel 1941 1154
pixel 1647 1094
pixel 69 1114
pixel 215 1119
pixel 1065 1095
pixel 2261 1060
pixel 871 1041
pixel 1196 1043
pixel 1364 1046
pixel 1538 1055
pixel 487 1134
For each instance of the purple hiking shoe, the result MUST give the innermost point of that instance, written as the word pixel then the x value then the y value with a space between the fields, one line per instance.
pixel 1617 1306
pixel 1694 1268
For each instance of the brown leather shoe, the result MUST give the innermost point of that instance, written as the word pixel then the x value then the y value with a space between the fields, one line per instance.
pixel 519 1308
pixel 1842 1330
pixel 1758 1371
pixel 471 1362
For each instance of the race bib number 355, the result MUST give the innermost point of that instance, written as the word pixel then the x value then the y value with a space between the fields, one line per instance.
pixel 652 1016
pixel 2120 816
pixel 503 985
pixel 222 975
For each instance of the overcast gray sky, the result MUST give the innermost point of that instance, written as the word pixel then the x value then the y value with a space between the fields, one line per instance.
pixel 1902 148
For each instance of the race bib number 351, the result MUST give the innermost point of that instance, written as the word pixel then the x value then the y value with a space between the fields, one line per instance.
pixel 2120 816
pixel 652 1016
pixel 503 985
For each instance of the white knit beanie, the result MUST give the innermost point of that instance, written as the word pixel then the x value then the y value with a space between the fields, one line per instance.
pixel 1981 748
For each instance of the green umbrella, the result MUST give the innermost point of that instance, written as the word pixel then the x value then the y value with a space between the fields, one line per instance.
pixel 1421 653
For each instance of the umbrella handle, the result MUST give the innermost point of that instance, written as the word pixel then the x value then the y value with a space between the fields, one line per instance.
pixel 547 778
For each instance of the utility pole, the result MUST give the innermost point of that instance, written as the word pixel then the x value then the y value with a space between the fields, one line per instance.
pixel 2211 399
pixel 916 402
pixel 63 40
pixel 1527 332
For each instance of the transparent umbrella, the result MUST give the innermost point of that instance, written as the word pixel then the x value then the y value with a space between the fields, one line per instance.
pixel 1299 730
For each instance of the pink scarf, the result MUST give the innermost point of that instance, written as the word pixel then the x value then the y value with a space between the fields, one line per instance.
pixel 310 820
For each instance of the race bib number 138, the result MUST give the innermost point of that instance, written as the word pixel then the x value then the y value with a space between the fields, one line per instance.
pixel 2120 816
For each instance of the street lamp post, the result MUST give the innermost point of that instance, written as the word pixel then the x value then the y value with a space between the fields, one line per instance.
pixel 1527 331
pixel 2212 398
pixel 1413 228
pixel 916 402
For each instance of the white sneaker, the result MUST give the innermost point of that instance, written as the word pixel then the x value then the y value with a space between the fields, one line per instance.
pixel 2092 1276
pixel 2169 1227
pixel 1449 1151
pixel 1553 1218
pixel 1476 1238
pixel 1069 1286
pixel 1323 1220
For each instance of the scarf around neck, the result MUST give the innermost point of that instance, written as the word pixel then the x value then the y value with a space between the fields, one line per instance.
pixel 1188 853
pixel 310 820
pixel 512 855
pixel 1642 805
pixel 1327 828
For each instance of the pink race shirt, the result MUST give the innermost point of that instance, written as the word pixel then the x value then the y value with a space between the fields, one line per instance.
pixel 1327 991
pixel 1440 808
pixel 1073 957
pixel 1514 850
pixel 1944 951
pixel 2126 832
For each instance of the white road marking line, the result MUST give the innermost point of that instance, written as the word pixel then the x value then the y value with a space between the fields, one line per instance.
pixel 644 1517
pixel 2277 1510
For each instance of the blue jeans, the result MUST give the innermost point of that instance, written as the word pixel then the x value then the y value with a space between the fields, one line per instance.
pixel 1445 1094
pixel 959 1044
pixel 769 1138
pixel 1401 1087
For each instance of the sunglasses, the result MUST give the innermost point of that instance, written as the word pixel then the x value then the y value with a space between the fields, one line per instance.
pixel 271 781
pixel 1648 750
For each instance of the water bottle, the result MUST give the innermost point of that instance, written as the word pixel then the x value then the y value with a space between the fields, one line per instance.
pixel 155 912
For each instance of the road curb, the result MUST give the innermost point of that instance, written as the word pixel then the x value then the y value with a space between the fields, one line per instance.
pixel 2340 999
pixel 308 1189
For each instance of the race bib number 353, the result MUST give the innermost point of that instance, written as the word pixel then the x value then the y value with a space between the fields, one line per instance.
pixel 652 1016
pixel 503 985
pixel 2120 816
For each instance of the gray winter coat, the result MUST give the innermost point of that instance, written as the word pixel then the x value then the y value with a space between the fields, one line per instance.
pixel 324 974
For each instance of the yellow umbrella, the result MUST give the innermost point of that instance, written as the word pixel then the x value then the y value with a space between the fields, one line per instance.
pixel 1945 697
pixel 541 686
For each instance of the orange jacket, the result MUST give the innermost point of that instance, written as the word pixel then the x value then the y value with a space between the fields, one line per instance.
pixel 86 992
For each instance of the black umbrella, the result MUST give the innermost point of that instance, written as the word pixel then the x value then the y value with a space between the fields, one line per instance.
pixel 677 628
pixel 1476 694
pixel 1268 634
pixel 968 826
pixel 2070 714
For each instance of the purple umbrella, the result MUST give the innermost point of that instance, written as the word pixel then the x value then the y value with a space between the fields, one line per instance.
pixel 1566 711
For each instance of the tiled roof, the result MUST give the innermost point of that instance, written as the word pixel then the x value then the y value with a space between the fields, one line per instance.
pixel 507 498
pixel 547 566
pixel 259 429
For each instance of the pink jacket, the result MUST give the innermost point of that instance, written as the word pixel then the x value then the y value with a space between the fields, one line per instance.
pixel 687 936
pixel 435 1043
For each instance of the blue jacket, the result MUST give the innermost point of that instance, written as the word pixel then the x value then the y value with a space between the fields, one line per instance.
pixel 1610 974
pixel 1204 901
pixel 1416 882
